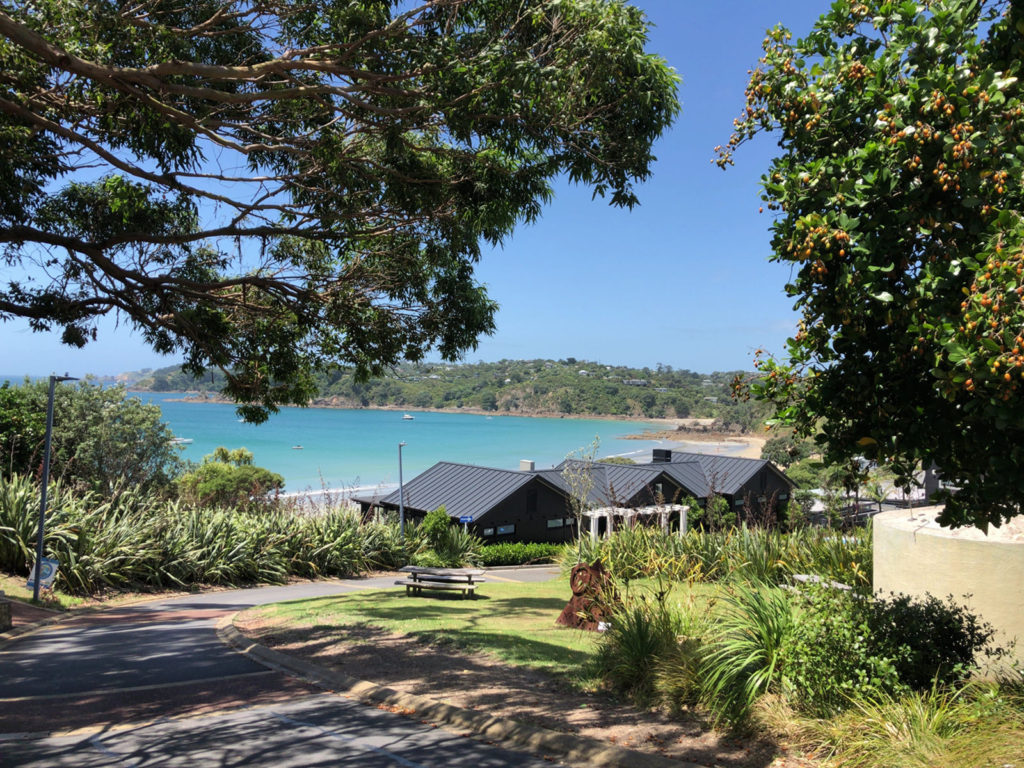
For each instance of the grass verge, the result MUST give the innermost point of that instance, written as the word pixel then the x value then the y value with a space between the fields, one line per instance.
pixel 513 622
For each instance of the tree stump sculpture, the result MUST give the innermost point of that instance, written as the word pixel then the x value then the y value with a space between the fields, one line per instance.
pixel 592 597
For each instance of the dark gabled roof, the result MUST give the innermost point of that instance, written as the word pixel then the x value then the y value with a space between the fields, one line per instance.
pixel 466 490
pixel 463 490
pixel 619 484
pixel 725 474
pixel 690 475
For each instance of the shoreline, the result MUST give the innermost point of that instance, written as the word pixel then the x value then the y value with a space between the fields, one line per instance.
pixel 327 403
pixel 671 431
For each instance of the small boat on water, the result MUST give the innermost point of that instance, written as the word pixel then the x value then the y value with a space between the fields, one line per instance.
pixel 296 447
pixel 181 441
pixel 407 417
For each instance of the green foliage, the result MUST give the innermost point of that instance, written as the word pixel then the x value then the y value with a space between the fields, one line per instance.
pixel 643 629
pixel 229 479
pixel 832 658
pixel 807 474
pixel 365 199
pixel 785 450
pixel 976 726
pixel 440 544
pixel 102 440
pixel 520 387
pixel 848 648
pixel 140 541
pixel 616 460
pixel 899 194
pixel 744 654
pixel 933 642
pixel 457 548
pixel 759 555
pixel 435 525
pixel 519 553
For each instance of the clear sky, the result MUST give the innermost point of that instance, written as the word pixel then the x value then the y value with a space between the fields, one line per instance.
pixel 683 279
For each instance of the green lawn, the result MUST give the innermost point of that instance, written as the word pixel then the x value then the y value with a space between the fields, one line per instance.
pixel 513 622
pixel 14 588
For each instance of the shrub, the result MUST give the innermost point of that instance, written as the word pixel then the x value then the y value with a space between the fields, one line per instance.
pixel 933 642
pixel 519 553
pixel 456 548
pixel 136 540
pixel 229 479
pixel 677 673
pixel 435 524
pixel 831 658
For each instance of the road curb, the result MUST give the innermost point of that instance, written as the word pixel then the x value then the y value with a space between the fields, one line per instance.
pixel 538 740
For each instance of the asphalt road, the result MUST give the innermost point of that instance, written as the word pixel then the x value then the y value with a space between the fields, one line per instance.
pixel 151 684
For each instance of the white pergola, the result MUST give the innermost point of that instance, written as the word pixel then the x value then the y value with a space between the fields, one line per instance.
pixel 628 514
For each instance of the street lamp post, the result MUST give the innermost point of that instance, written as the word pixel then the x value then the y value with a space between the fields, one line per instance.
pixel 46 482
pixel 401 496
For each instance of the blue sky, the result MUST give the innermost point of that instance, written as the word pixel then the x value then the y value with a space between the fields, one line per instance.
pixel 683 279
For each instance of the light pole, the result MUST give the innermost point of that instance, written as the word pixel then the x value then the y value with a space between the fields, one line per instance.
pixel 46 482
pixel 401 496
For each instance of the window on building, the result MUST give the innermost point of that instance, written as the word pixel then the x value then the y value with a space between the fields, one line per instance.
pixel 504 530
pixel 555 522
pixel 488 531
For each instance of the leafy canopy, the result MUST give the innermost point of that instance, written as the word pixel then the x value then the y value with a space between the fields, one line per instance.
pixel 271 188
pixel 102 440
pixel 898 200
pixel 228 478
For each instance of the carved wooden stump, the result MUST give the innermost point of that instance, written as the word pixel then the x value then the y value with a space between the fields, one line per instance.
pixel 591 597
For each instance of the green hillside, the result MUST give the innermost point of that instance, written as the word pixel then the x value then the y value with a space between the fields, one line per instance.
pixel 528 387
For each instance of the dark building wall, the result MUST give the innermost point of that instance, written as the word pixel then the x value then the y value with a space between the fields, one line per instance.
pixel 764 488
pixel 531 512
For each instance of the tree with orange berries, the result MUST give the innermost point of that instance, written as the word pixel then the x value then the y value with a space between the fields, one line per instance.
pixel 898 201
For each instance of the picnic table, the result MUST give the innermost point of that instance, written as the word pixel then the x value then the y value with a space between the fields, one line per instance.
pixel 465 580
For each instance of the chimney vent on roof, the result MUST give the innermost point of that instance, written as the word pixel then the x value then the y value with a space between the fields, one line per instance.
pixel 661 456
pixel 525 465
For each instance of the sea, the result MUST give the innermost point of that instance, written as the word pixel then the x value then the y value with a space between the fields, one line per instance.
pixel 355 450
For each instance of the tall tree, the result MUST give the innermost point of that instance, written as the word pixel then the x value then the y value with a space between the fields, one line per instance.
pixel 898 192
pixel 269 187
pixel 103 441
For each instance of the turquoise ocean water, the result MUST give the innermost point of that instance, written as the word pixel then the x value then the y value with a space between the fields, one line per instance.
pixel 344 449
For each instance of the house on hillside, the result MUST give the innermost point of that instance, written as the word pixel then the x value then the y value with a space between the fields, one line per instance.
pixel 534 505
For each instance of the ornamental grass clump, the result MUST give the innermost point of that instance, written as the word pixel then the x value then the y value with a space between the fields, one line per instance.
pixel 643 631
pixel 759 555
pixel 978 725
pixel 745 651
pixel 133 539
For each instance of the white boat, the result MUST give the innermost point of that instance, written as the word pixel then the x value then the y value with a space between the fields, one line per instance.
pixel 296 447
pixel 181 441
pixel 407 417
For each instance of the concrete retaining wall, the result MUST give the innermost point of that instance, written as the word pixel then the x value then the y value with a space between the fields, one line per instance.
pixel 914 555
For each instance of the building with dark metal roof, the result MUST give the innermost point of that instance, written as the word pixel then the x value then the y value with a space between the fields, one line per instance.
pixel 534 505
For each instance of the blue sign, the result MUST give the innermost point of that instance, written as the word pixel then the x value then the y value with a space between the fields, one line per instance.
pixel 47 574
pixel 466 519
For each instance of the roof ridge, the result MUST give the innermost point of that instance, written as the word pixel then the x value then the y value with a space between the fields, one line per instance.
pixel 481 466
